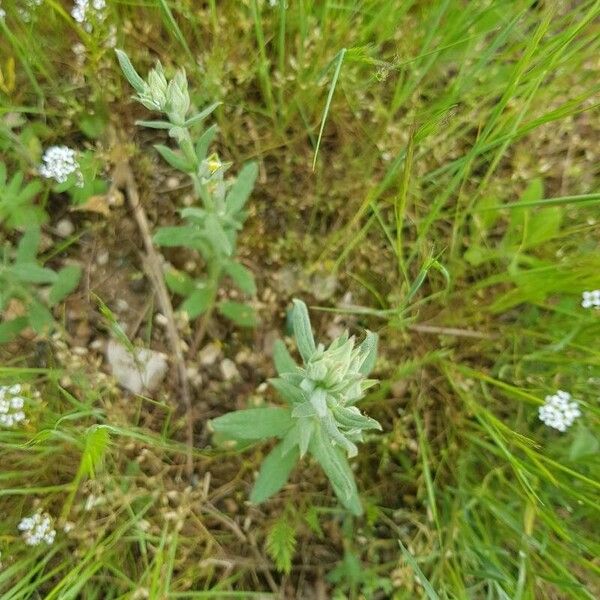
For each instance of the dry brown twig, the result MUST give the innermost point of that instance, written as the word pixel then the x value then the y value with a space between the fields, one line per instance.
pixel 123 179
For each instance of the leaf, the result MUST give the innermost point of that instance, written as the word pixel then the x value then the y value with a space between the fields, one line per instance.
pixel 242 276
pixel 216 234
pixel 130 73
pixel 584 444
pixel 281 544
pixel 67 280
pixel 274 473
pixel 291 393
pixel 202 114
pixel 32 273
pixel 179 282
pixel 197 302
pixel 183 235
pixel 9 330
pixel 241 189
pixel 204 142
pixel 284 363
pixel 40 318
pixel 254 423
pixel 241 314
pixel 96 443
pixel 337 469
pixel 155 124
pixel 431 593
pixel 302 330
pixel 176 160
pixel 369 350
pixel 28 246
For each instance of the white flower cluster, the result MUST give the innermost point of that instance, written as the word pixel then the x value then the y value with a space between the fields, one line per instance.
pixel 591 299
pixel 87 13
pixel 11 405
pixel 559 411
pixel 58 163
pixel 37 529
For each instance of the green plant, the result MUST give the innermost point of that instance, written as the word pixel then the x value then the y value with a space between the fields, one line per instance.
pixel 28 290
pixel 16 206
pixel 211 228
pixel 321 417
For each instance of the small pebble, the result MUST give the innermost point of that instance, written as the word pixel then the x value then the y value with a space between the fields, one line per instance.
pixel 209 354
pixel 229 370
pixel 102 258
pixel 65 228
pixel 161 320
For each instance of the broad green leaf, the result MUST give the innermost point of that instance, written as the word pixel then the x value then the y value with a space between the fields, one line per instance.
pixel 32 273
pixel 179 282
pixel 274 473
pixel 254 423
pixel 241 189
pixel 242 277
pixel 369 350
pixel 204 142
pixel 543 225
pixel 336 467
pixel 302 330
pixel 284 363
pixel 9 330
pixel 241 314
pixel 184 235
pixel 130 73
pixel 216 234
pixel 67 280
pixel 176 160
pixel 197 302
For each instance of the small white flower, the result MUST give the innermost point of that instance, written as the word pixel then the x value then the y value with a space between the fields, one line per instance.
pixel 591 299
pixel 58 163
pixel 559 411
pixel 2 14
pixel 11 406
pixel 37 529
pixel 88 13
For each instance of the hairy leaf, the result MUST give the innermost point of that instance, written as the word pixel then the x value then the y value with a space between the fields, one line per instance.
pixel 302 330
pixel 254 423
pixel 274 473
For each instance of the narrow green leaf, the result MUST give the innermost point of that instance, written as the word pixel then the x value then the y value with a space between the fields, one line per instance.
pixel 67 280
pixel 254 423
pixel 369 350
pixel 155 124
pixel 204 142
pixel 28 246
pixel 40 318
pixel 336 467
pixel 32 273
pixel 241 314
pixel 183 235
pixel 130 73
pixel 216 234
pixel 292 394
pixel 202 114
pixel 284 363
pixel 274 473
pixel 241 189
pixel 302 330
pixel 178 161
pixel 241 276
pixel 431 593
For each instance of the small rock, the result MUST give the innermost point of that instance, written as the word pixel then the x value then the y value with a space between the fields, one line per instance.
pixel 172 182
pixel 209 354
pixel 229 370
pixel 65 228
pixel 140 371
pixel 102 258
pixel 161 320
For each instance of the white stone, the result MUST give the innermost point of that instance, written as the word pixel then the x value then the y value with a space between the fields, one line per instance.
pixel 229 370
pixel 142 371
pixel 209 354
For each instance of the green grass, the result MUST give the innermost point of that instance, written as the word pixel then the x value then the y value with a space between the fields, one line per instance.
pixel 438 158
